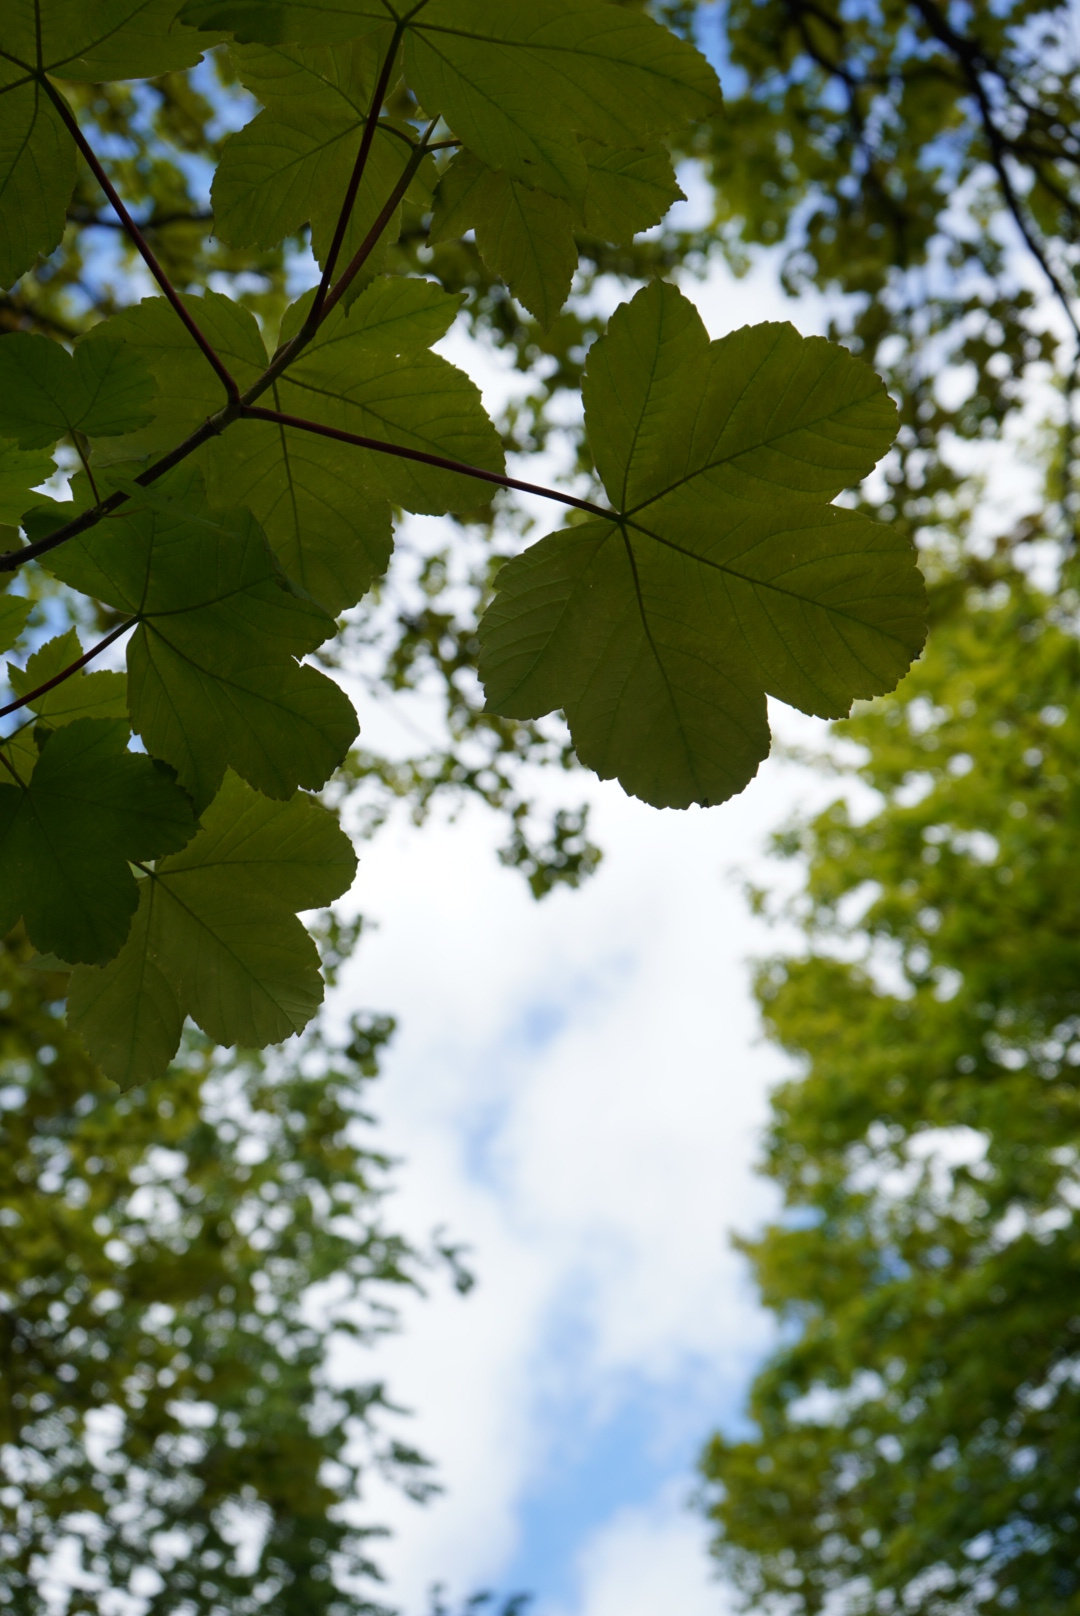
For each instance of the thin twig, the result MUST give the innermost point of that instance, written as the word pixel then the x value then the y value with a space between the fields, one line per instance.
pixel 371 240
pixel 66 673
pixel 382 88
pixel 440 462
pixel 289 350
pixel 145 251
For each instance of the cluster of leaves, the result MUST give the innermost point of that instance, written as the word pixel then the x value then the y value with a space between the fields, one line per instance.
pixel 921 158
pixel 236 494
pixel 169 1430
pixel 917 1435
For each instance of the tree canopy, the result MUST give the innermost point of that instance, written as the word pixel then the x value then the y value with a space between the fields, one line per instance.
pixel 178 1266
pixel 911 1443
pixel 916 1436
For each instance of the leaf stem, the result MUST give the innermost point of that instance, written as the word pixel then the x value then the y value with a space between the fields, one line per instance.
pixel 371 125
pixel 421 456
pixel 140 242
pixel 371 240
pixel 66 673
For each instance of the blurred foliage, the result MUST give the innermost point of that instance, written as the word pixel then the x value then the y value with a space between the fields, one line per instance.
pixel 917 1433
pixel 921 160
pixel 177 1267
pixel 914 1440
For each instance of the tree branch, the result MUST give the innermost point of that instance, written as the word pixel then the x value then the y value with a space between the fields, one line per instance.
pixel 382 88
pixel 66 673
pixel 421 457
pixel 143 247
pixel 371 240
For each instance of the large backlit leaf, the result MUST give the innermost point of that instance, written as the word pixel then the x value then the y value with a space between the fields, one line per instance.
pixel 724 574
pixel 21 471
pixel 527 237
pixel 516 83
pixel 66 39
pixel 291 165
pixel 67 834
pixel 102 390
pixel 217 937
pixel 212 677
pixel 101 694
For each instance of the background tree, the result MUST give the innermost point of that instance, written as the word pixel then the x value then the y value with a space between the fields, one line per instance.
pixel 177 1266
pixel 916 1435
pixel 913 1440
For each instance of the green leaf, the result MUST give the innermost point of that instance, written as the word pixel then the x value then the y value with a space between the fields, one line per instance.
pixel 217 937
pixel 212 680
pixel 629 189
pixel 368 372
pixel 102 390
pixel 21 471
pixel 291 165
pixel 329 530
pixel 110 39
pixel 188 390
pixel 67 836
pixel 518 83
pixel 273 22
pixel 14 610
pixel 524 236
pixel 102 694
pixel 527 237
pixel 726 575
pixel 37 175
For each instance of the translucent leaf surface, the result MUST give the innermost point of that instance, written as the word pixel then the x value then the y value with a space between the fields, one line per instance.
pixel 101 694
pixel 725 575
pixel 20 472
pixel 67 834
pixel 14 610
pixel 106 39
pixel 37 175
pixel 290 166
pixel 212 677
pixel 217 937
pixel 516 83
pixel 102 390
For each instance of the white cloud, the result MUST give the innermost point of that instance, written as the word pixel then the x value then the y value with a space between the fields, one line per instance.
pixel 648 1561
pixel 577 1089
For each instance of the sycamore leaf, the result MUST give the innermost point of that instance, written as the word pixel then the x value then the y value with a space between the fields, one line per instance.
pixel 102 390
pixel 72 39
pixel 368 371
pixel 37 174
pixel 101 694
pixel 330 536
pixel 21 470
pixel 290 166
pixel 212 680
pixel 273 22
pixel 524 236
pixel 67 835
pixel 724 574
pixel 14 610
pixel 527 237
pixel 516 83
pixel 629 189
pixel 217 937
pixel 110 39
